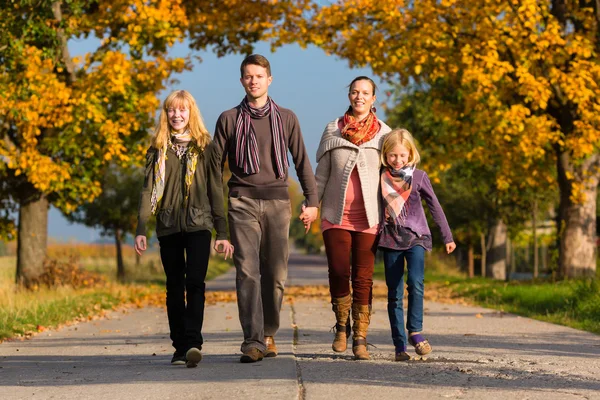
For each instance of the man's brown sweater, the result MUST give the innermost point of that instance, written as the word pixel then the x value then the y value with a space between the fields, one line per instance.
pixel 265 184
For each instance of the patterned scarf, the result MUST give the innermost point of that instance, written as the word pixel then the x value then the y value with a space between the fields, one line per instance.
pixel 359 132
pixel 395 190
pixel 180 144
pixel 246 151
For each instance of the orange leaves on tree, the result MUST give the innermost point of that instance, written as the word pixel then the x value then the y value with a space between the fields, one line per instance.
pixel 514 63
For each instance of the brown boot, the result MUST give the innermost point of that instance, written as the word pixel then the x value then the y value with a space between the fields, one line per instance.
pixel 271 350
pixel 341 308
pixel 361 315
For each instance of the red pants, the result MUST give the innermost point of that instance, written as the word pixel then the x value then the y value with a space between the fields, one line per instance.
pixel 350 253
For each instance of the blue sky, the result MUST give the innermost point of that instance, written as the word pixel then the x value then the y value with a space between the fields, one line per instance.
pixel 307 81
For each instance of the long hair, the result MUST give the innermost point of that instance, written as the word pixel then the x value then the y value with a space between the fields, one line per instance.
pixel 198 131
pixel 403 137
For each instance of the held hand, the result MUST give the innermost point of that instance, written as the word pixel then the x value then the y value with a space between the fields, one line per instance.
pixel 224 247
pixel 309 214
pixel 450 247
pixel 302 215
pixel 140 244
pixel 306 227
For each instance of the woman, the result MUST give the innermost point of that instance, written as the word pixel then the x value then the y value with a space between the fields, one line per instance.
pixel 183 187
pixel 348 182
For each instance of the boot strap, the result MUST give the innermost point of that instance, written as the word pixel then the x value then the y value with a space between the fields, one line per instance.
pixel 359 342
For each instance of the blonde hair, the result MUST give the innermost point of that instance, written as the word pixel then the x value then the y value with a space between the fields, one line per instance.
pixel 198 131
pixel 403 137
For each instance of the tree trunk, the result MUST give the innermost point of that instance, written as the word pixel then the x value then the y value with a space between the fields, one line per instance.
pixel 471 261
pixel 64 47
pixel 120 265
pixel 496 257
pixel 544 258
pixel 483 253
pixel 32 239
pixel 577 255
pixel 535 241
pixel 513 259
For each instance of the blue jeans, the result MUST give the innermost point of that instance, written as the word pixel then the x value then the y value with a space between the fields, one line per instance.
pixel 394 278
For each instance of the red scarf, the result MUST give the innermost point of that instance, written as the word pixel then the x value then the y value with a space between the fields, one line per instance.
pixel 359 132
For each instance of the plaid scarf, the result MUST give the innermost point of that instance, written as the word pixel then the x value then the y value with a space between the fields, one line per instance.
pixel 395 190
pixel 180 141
pixel 246 150
pixel 359 132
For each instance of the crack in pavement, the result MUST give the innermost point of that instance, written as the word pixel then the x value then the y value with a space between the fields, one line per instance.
pixel 299 381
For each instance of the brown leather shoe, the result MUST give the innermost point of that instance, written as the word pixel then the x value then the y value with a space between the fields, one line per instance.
pixel 271 350
pixel 251 355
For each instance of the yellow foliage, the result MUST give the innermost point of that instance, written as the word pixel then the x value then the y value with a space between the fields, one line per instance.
pixel 528 80
pixel 57 122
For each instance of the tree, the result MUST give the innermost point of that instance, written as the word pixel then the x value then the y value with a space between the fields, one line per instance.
pixel 63 120
pixel 523 75
pixel 467 189
pixel 115 210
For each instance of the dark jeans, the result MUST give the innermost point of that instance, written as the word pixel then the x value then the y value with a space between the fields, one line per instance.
pixel 394 278
pixel 184 257
pixel 259 232
pixel 340 246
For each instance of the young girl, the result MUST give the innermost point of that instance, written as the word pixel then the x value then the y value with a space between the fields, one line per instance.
pixel 183 187
pixel 404 234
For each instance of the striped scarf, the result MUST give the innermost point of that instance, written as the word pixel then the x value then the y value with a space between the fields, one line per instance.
pixel 359 132
pixel 395 190
pixel 246 151
pixel 180 141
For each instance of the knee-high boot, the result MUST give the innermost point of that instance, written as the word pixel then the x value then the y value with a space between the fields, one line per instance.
pixel 361 316
pixel 341 307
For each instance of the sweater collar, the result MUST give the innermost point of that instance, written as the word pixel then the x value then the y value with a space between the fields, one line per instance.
pixel 332 138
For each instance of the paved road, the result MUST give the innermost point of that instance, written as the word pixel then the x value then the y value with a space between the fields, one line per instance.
pixel 478 354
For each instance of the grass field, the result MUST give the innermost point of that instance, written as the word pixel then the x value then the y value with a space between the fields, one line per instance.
pixel 23 312
pixel 574 303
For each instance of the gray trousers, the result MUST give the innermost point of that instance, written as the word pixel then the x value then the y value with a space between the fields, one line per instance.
pixel 259 233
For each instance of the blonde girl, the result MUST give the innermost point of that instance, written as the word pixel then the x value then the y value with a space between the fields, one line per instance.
pixel 405 235
pixel 183 188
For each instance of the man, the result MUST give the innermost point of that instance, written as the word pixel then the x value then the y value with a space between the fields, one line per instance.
pixel 254 138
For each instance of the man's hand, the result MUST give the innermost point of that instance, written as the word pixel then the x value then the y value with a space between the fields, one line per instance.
pixel 140 244
pixel 224 247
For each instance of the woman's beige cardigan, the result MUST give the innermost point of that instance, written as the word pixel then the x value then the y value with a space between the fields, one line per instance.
pixel 336 158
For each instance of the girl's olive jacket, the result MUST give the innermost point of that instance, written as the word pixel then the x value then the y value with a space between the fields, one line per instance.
pixel 203 209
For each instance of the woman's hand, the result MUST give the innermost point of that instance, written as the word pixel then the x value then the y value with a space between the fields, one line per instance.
pixel 140 244
pixel 450 247
pixel 224 247
pixel 308 216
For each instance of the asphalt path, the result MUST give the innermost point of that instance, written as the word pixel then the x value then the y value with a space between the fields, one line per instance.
pixel 478 354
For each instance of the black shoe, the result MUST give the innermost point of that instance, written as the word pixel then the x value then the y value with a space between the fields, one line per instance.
pixel 251 355
pixel 178 358
pixel 193 357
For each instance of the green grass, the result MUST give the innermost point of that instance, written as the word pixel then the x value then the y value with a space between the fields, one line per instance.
pixel 574 303
pixel 23 312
